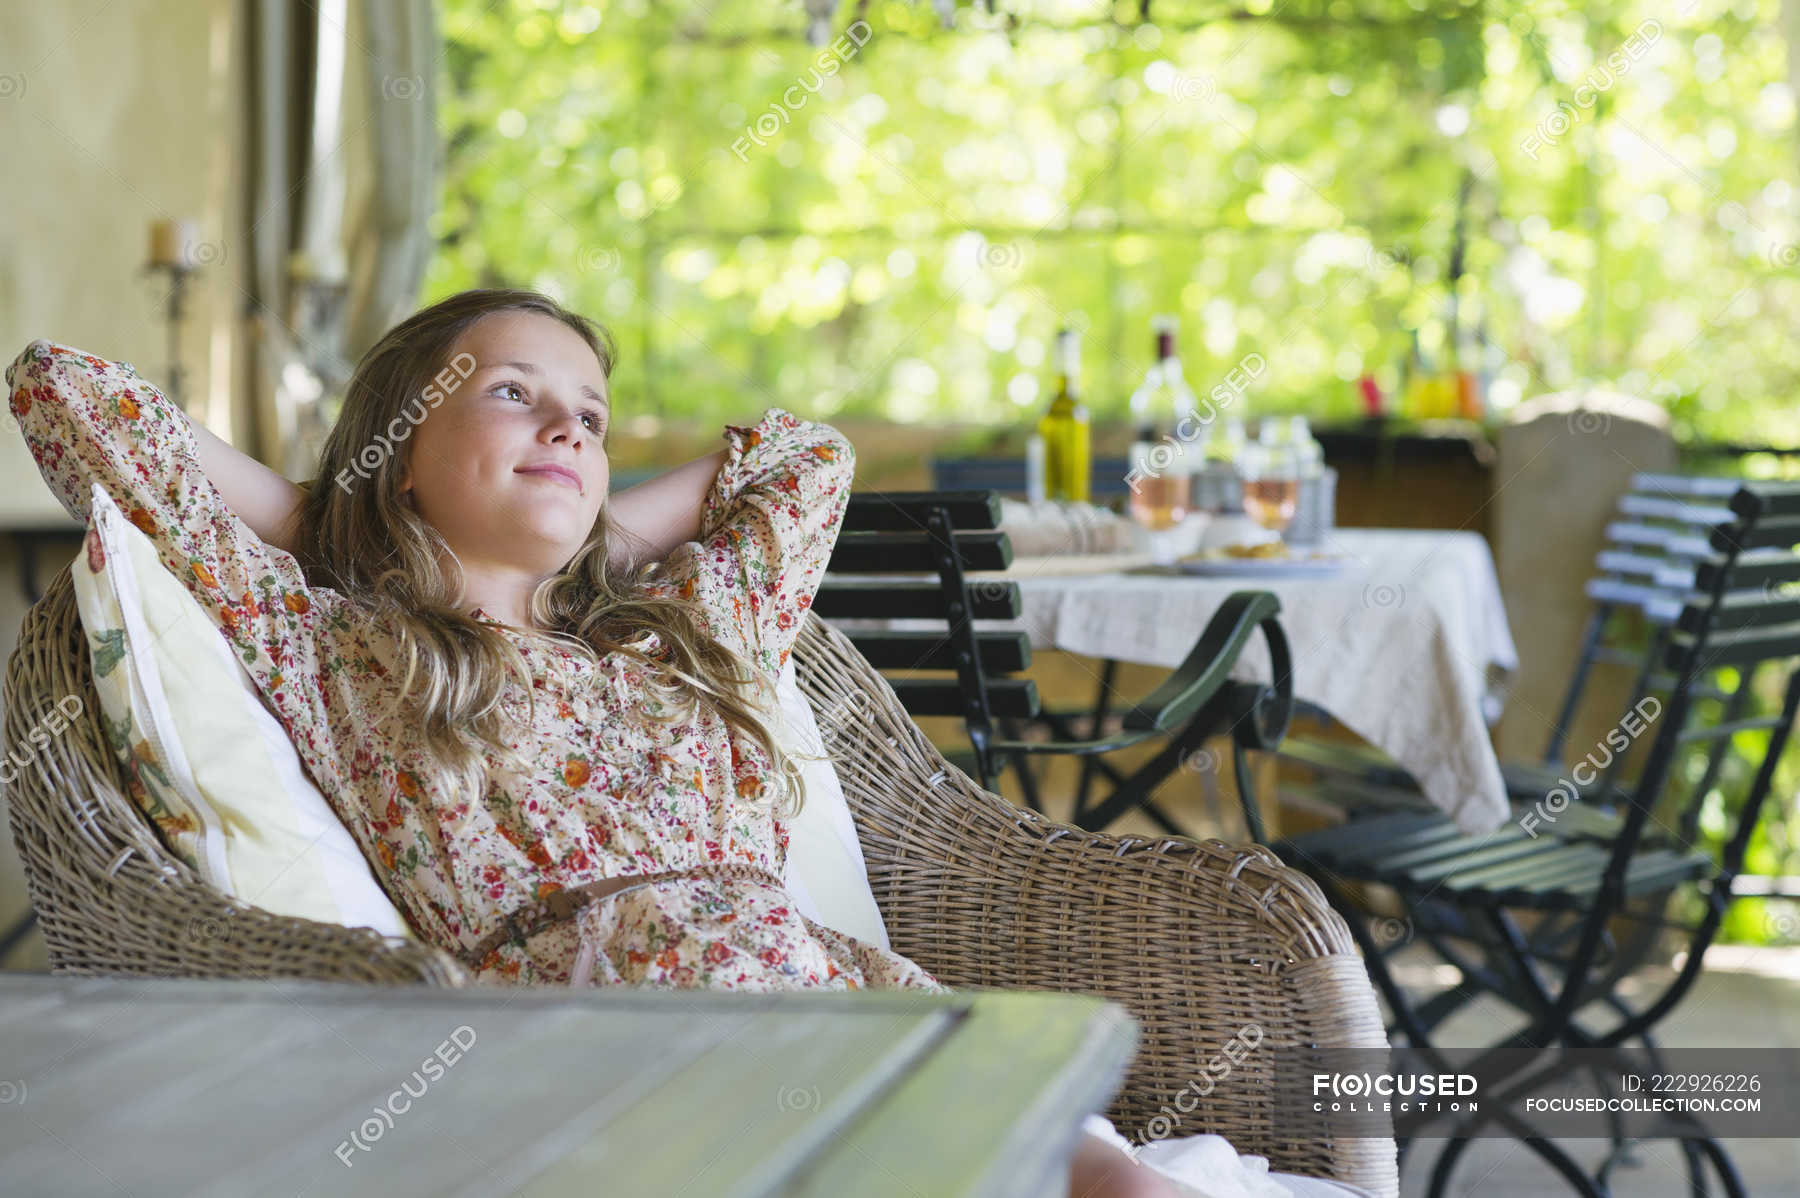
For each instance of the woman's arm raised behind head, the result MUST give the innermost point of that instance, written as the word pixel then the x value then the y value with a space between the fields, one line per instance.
pixel 768 525
pixel 265 500
pixel 662 512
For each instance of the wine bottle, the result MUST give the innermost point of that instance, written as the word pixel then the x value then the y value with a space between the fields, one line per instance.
pixel 1067 444
pixel 1162 470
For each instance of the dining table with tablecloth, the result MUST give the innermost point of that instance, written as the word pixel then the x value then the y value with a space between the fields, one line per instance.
pixel 1405 641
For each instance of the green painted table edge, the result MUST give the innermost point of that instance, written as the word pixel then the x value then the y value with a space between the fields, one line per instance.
pixel 1070 1052
pixel 1064 1054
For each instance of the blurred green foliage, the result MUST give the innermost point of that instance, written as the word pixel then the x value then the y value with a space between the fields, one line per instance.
pixel 904 231
pixel 896 228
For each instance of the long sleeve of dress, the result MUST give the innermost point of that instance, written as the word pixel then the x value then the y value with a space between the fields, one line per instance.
pixel 89 421
pixel 768 525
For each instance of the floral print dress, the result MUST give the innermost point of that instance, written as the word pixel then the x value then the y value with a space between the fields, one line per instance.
pixel 610 795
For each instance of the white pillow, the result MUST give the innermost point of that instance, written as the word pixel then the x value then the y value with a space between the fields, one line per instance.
pixel 217 774
pixel 212 767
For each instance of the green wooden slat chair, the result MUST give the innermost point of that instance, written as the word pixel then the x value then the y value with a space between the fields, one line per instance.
pixel 1585 872
pixel 1642 577
pixel 1195 938
pixel 948 534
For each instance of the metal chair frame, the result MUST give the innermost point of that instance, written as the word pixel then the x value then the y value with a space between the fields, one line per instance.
pixel 1732 617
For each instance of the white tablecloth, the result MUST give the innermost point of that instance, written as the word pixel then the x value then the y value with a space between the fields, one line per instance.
pixel 1408 645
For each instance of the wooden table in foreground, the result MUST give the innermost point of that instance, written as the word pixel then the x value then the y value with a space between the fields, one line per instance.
pixel 115 1086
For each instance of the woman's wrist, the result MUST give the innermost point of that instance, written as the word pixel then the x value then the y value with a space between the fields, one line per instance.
pixel 661 513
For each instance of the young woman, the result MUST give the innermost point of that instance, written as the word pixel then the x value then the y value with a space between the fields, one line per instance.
pixel 542 710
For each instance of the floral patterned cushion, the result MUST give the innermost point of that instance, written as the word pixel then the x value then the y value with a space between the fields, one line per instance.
pixel 205 761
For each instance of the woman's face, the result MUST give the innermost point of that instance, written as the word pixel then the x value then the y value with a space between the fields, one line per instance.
pixel 478 467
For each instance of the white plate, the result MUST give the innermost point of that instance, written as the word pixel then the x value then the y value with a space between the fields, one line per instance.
pixel 1265 567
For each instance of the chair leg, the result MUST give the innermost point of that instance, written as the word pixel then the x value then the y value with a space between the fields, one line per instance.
pixel 1515 973
pixel 1162 818
pixel 1021 763
pixel 1728 1174
pixel 1062 729
pixel 1696 1149
pixel 1240 768
pixel 1135 791
pixel 1028 782
pixel 1696 1167
pixel 1102 702
pixel 16 934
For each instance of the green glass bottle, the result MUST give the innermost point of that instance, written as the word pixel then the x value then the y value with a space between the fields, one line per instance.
pixel 1064 428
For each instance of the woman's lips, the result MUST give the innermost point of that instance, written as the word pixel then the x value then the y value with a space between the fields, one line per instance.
pixel 559 474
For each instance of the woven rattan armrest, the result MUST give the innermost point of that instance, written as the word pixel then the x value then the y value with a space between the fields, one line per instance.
pixel 1198 939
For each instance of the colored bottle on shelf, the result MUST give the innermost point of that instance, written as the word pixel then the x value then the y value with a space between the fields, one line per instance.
pixel 1469 402
pixel 1373 401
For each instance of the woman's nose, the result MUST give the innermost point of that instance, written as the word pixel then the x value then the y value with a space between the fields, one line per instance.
pixel 568 428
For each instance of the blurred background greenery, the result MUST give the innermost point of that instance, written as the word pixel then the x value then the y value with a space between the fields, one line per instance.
pixel 1600 193
pixel 893 226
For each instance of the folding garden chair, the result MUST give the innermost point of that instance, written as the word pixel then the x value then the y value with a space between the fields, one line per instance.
pixel 949 534
pixel 1735 616
pixel 1642 576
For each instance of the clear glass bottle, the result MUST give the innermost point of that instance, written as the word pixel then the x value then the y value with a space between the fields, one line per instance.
pixel 1314 514
pixel 1307 449
pixel 1221 485
pixel 1036 490
pixel 1168 441
pixel 1068 450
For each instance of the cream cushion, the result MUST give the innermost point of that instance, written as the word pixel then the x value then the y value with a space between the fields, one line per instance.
pixel 212 767
pixel 216 773
pixel 826 874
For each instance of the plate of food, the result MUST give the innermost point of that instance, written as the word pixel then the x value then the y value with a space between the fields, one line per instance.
pixel 1265 559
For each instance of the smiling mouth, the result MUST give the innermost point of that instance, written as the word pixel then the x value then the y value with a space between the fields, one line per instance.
pixel 555 476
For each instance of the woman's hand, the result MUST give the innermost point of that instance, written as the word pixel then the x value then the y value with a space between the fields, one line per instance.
pixel 1099 1170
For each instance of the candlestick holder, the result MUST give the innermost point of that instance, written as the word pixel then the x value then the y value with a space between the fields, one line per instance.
pixel 313 347
pixel 174 312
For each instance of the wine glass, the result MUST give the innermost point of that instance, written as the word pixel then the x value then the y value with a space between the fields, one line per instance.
pixel 1271 472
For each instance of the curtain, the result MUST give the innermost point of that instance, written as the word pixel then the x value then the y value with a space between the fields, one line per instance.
pixel 343 161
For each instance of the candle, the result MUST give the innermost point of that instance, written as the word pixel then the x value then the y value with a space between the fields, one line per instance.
pixel 172 242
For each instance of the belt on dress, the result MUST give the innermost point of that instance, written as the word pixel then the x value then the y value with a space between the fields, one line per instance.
pixel 553 908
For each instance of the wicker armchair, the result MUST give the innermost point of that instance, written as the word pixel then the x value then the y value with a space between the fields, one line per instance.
pixel 1196 939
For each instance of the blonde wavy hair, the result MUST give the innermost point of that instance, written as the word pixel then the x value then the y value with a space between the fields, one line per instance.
pixel 367 544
